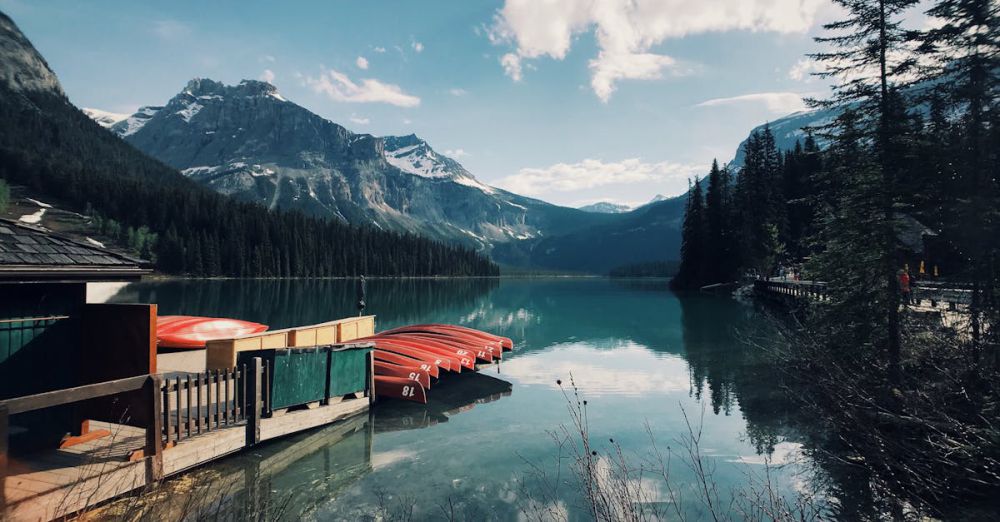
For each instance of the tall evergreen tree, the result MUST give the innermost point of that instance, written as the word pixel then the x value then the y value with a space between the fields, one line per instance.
pixel 965 51
pixel 869 56
pixel 691 273
pixel 718 241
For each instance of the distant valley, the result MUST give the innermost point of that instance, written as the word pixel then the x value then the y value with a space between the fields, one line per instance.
pixel 249 142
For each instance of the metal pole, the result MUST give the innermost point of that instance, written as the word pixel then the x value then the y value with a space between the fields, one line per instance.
pixel 362 291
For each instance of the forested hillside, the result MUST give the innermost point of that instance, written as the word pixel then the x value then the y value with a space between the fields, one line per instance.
pixel 907 190
pixel 50 146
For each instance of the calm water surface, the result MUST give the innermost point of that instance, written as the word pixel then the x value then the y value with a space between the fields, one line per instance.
pixel 638 353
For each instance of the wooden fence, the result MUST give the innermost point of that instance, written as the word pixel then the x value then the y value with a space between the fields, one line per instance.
pixel 812 290
pixel 178 407
pixel 954 295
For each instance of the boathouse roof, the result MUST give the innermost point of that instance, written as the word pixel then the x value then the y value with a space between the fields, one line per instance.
pixel 29 253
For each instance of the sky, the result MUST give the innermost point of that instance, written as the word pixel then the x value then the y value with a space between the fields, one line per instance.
pixel 569 101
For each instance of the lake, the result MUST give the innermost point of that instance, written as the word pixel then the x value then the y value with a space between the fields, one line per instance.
pixel 641 356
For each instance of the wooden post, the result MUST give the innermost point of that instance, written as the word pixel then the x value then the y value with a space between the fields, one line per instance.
pixel 154 431
pixel 370 380
pixel 254 402
pixel 189 397
pixel 4 433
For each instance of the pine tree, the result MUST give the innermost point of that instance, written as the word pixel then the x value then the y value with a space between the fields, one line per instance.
pixel 691 273
pixel 718 241
pixel 869 56
pixel 965 54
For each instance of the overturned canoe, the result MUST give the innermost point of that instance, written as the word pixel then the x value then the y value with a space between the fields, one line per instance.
pixel 412 373
pixel 450 364
pixel 191 332
pixel 465 358
pixel 505 342
pixel 462 348
pixel 386 356
pixel 400 388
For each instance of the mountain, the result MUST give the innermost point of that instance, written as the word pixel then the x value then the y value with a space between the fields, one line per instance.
pixel 22 68
pixel 606 207
pixel 249 142
pixel 649 233
pixel 104 118
pixel 787 130
pixel 65 158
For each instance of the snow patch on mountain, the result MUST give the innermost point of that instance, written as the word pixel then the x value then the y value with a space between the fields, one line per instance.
pixel 417 159
pixel 133 123
pixel 105 119
pixel 192 109
pixel 475 183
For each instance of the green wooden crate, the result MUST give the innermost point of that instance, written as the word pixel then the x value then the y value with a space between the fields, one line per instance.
pixel 298 377
pixel 348 370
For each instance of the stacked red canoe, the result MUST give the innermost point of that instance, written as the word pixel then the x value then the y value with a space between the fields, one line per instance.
pixel 406 358
pixel 190 332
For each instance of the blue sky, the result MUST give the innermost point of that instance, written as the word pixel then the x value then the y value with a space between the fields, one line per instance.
pixel 570 101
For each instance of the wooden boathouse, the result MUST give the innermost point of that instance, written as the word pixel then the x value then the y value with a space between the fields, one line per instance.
pixel 85 413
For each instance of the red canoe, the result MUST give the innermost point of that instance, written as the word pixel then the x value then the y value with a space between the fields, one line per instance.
pixel 505 342
pixel 184 331
pixel 400 388
pixel 407 372
pixel 394 358
pixel 441 361
pixel 428 349
pixel 464 348
pixel 467 359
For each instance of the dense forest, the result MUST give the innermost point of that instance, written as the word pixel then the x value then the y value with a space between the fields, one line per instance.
pixel 909 172
pixel 54 149
pixel 649 269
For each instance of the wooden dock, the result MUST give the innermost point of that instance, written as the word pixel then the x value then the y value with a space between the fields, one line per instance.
pixel 190 422
pixel 947 302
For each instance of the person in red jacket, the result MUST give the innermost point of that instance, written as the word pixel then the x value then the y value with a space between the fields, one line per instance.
pixel 904 285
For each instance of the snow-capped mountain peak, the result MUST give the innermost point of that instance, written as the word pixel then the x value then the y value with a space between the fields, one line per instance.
pixel 105 119
pixel 606 207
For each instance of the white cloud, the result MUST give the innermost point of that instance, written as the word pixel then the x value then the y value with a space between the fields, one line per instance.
pixel 803 69
pixel 266 58
pixel 627 30
pixel 407 121
pixel 379 49
pixel 170 29
pixel 339 87
pixel 417 46
pixel 267 76
pixel 591 173
pixel 361 62
pixel 776 102
pixel 360 120
pixel 457 92
pixel 456 153
pixel 511 66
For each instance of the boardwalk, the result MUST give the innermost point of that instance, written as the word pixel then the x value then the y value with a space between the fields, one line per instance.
pixel 949 301
pixel 52 484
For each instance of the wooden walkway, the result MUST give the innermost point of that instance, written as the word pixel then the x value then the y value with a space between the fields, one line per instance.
pixel 947 301
pixel 53 484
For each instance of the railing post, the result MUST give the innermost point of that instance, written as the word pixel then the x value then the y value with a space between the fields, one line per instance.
pixel 4 433
pixel 253 416
pixel 154 431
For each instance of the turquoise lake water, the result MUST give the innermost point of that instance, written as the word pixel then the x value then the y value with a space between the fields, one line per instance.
pixel 639 354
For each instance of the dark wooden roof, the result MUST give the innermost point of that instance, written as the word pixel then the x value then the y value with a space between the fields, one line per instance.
pixel 29 253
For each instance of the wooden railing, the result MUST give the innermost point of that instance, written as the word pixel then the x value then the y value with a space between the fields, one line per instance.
pixel 175 407
pixel 148 385
pixel 813 290
pixel 954 295
pixel 199 403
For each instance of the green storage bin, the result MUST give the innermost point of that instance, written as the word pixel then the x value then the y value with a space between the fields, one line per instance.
pixel 302 375
pixel 348 370
pixel 299 377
